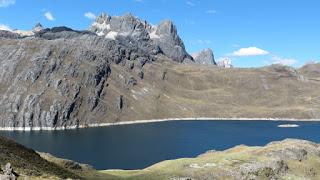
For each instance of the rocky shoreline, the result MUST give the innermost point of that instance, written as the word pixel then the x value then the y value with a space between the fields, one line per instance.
pixel 150 121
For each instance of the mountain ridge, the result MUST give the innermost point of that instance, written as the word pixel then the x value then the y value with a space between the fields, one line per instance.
pixel 61 78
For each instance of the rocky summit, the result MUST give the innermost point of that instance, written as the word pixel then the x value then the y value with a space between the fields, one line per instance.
pixel 128 29
pixel 204 57
pixel 125 69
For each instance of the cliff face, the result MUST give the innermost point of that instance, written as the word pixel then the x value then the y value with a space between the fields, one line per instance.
pixel 60 78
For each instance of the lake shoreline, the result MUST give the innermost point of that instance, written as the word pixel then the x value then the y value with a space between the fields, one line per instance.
pixel 150 121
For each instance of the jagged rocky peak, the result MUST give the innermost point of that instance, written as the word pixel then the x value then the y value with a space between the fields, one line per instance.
pixel 163 36
pixel 37 28
pixel 103 18
pixel 169 41
pixel 204 57
pixel 112 26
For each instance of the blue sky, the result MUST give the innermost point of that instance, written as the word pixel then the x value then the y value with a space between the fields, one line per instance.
pixel 252 33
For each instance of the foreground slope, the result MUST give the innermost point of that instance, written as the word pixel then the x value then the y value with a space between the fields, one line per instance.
pixel 28 163
pixel 288 159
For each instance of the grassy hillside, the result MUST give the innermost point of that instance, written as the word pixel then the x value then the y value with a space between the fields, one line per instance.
pixel 28 163
pixel 171 90
pixel 289 159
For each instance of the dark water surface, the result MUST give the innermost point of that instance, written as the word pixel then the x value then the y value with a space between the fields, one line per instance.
pixel 140 145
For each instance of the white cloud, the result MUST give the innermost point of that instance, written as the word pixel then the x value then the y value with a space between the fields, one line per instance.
pixel 5 27
pixel 250 51
pixel 283 61
pixel 6 3
pixel 90 15
pixel 49 16
pixel 189 3
pixel 211 11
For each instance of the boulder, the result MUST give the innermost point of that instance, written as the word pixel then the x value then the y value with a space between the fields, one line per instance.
pixel 9 174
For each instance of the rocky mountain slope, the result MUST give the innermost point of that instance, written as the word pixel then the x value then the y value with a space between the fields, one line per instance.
pixel 124 69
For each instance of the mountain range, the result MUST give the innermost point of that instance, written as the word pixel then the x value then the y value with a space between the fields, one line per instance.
pixel 124 69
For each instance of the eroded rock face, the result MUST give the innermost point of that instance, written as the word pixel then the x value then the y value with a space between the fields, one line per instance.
pixel 204 57
pixel 153 39
pixel 59 77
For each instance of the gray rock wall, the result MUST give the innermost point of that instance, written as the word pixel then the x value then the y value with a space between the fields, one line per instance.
pixel 58 78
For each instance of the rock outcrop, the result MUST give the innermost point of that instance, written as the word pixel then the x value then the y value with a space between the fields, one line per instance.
pixel 37 28
pixel 8 173
pixel 204 57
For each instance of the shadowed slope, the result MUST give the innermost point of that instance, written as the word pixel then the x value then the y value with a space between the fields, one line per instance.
pixel 27 162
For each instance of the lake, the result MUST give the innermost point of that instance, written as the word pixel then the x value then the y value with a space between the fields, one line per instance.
pixel 137 146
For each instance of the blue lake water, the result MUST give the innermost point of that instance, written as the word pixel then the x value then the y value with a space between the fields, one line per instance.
pixel 137 146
